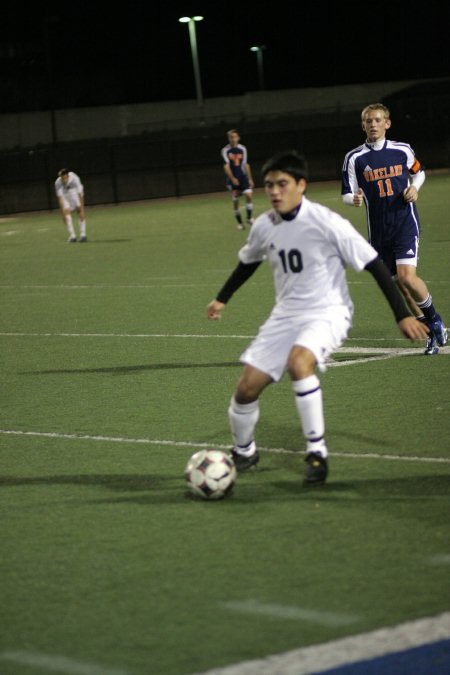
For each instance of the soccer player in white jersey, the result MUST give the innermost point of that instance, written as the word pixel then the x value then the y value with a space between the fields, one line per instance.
pixel 70 193
pixel 386 176
pixel 308 248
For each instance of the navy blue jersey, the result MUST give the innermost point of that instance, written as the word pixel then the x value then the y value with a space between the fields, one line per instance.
pixel 383 174
pixel 236 158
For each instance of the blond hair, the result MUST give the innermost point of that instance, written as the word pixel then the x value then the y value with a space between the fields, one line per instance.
pixel 376 106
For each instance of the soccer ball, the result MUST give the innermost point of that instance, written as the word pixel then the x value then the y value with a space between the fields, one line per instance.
pixel 210 474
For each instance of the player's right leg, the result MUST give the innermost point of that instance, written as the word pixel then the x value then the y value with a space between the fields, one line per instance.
pixel 82 223
pixel 243 415
pixel 67 217
pixel 235 194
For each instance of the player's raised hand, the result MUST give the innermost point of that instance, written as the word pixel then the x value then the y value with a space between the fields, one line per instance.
pixel 214 310
pixel 413 329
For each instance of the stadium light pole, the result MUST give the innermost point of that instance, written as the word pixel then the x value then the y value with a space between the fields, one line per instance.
pixel 259 57
pixel 191 20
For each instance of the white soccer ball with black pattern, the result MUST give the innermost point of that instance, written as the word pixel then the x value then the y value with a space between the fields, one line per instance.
pixel 210 474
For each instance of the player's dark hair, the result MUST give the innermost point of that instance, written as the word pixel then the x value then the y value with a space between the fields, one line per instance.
pixel 289 161
pixel 62 172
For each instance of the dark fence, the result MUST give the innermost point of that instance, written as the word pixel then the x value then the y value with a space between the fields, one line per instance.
pixel 165 165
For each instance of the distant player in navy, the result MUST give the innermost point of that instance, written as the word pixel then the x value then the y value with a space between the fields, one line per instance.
pixel 70 193
pixel 386 176
pixel 308 248
pixel 239 180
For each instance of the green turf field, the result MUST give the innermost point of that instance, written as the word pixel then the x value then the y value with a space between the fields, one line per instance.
pixel 112 377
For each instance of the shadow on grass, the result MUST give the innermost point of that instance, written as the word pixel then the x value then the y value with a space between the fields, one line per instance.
pixel 290 433
pixel 119 370
pixel 128 482
pixel 171 489
pixel 109 241
pixel 407 488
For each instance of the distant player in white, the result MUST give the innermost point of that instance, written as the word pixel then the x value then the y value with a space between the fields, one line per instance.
pixel 70 193
pixel 308 247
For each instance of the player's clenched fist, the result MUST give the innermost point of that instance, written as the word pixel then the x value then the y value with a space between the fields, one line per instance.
pixel 358 198
pixel 214 309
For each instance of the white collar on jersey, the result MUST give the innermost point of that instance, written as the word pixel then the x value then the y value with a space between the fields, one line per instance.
pixel 378 145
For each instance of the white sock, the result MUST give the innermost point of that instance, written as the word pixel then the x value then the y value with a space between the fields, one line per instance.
pixel 82 228
pixel 69 224
pixel 243 418
pixel 309 403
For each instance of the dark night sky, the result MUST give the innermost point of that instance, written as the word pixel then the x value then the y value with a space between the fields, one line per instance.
pixel 101 55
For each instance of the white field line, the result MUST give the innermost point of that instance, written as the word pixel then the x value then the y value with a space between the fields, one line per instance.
pixel 346 651
pixel 289 612
pixel 77 287
pixel 217 446
pixel 57 664
pixel 193 336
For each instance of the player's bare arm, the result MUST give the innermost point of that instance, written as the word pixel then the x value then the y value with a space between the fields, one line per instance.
pixel 81 209
pixel 249 174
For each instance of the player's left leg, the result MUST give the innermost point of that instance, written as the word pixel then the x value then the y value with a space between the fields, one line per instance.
pixel 82 223
pixel 406 250
pixel 309 404
pixel 315 341
pixel 249 206
pixel 417 288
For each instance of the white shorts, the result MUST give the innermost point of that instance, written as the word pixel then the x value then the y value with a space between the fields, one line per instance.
pixel 71 202
pixel 322 335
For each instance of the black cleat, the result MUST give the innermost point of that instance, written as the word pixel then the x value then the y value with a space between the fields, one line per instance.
pixel 316 469
pixel 243 463
pixel 83 239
